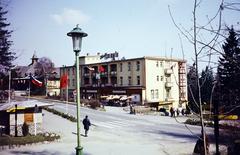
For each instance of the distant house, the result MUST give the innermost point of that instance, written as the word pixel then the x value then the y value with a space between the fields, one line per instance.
pixel 50 79
pixel 21 80
pixel 13 115
pixel 53 83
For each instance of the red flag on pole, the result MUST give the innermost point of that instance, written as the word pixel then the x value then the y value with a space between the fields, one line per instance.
pixel 63 81
pixel 101 69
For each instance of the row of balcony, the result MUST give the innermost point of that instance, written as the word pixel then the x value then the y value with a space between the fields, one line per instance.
pixel 101 85
pixel 167 85
pixel 112 73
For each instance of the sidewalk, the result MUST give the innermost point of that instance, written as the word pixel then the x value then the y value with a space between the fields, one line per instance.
pixel 101 142
pixel 98 142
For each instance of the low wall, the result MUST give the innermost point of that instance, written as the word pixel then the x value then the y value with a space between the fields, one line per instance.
pixel 31 127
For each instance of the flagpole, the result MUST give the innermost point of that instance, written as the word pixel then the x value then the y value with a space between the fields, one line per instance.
pixel 29 85
pixel 67 98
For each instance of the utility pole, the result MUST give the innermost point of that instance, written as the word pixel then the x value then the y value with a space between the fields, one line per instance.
pixel 216 127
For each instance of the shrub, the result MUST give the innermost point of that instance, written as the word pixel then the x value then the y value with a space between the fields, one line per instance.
pixel 63 115
pixel 7 140
pixel 94 104
pixel 193 122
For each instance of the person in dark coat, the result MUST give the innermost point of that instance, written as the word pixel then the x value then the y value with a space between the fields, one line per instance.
pixel 199 146
pixel 86 123
pixel 172 111
pixel 178 112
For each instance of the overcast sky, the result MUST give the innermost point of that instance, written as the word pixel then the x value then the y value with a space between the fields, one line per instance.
pixel 134 28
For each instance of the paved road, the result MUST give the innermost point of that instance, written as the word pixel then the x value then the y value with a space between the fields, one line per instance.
pixel 116 132
pixel 115 119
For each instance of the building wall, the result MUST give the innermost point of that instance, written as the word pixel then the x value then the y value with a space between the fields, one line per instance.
pixel 159 79
pixel 162 82
pixel 53 87
pixel 133 72
pixel 152 84
pixel 89 59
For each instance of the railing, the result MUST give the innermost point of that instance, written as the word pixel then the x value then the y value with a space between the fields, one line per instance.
pixel 168 71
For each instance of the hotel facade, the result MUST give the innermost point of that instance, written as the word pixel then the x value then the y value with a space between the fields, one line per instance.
pixel 146 80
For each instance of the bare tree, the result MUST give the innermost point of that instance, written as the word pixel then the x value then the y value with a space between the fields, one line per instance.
pixel 47 64
pixel 206 40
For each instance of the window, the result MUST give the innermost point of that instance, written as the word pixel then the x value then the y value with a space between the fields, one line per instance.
pixel 156 93
pixel 152 94
pixel 138 80
pixel 129 66
pixel 73 82
pixel 168 93
pixel 120 67
pixel 157 78
pixel 161 63
pixel 68 82
pixel 68 71
pixel 121 80
pixel 129 80
pixel 73 71
pixel 161 78
pixel 138 65
pixel 157 64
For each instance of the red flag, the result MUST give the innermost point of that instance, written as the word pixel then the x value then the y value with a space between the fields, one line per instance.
pixel 101 69
pixel 35 81
pixel 63 81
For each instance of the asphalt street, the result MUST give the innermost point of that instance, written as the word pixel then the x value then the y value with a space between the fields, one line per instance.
pixel 115 132
pixel 154 126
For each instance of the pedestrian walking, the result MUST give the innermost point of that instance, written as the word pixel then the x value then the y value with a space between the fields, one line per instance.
pixel 178 112
pixel 183 111
pixel 86 123
pixel 171 111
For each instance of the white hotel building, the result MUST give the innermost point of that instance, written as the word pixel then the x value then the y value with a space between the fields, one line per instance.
pixel 148 80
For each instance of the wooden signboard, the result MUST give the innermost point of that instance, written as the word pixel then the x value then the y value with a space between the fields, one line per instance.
pixel 28 117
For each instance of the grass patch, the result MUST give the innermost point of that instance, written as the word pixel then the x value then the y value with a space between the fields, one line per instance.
pixel 63 115
pixel 29 139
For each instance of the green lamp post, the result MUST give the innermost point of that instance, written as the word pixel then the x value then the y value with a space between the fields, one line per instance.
pixel 77 34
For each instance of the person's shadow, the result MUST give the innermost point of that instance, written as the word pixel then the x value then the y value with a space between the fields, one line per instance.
pixel 76 134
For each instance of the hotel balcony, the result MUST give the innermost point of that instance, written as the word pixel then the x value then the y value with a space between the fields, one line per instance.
pixel 168 84
pixel 169 99
pixel 104 74
pixel 168 71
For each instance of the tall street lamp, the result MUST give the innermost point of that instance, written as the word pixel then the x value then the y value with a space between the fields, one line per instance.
pixel 9 83
pixel 77 34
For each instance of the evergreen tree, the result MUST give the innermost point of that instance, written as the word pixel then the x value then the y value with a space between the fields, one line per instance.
pixel 192 89
pixel 228 71
pixel 206 83
pixel 6 56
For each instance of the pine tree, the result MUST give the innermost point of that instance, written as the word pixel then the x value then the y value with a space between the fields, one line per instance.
pixel 192 89
pixel 228 71
pixel 6 56
pixel 206 82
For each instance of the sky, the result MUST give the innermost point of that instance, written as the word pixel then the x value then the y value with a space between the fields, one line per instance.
pixel 134 28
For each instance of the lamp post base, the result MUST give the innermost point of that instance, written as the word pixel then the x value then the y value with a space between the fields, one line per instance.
pixel 79 150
